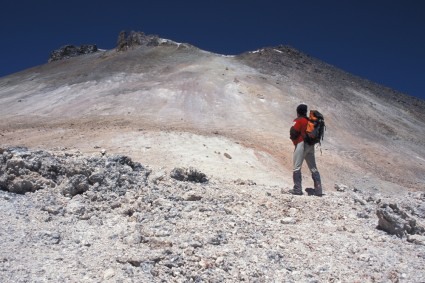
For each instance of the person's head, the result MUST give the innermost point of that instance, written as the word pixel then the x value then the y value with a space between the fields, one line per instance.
pixel 302 110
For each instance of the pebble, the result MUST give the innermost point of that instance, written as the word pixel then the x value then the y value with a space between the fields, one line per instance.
pixel 108 274
pixel 288 220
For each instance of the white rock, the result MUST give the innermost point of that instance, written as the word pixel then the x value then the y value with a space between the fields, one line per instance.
pixel 292 211
pixel 108 274
pixel 341 188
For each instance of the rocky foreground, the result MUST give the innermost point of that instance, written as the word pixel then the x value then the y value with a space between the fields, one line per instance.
pixel 74 218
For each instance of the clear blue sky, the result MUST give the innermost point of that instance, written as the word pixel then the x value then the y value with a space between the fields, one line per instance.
pixel 383 41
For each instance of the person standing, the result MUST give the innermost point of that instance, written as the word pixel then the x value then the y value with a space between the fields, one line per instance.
pixel 303 151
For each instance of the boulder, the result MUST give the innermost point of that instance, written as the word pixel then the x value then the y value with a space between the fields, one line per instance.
pixel 397 222
pixel 188 174
pixel 21 186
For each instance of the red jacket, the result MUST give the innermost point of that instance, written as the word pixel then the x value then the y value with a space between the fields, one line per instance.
pixel 297 131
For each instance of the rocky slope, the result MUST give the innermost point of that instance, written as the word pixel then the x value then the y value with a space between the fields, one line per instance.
pixel 105 218
pixel 118 99
pixel 105 193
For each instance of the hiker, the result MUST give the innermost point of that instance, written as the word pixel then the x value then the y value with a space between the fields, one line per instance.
pixel 303 151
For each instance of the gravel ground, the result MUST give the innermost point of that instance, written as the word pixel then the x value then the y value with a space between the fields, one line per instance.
pixel 70 217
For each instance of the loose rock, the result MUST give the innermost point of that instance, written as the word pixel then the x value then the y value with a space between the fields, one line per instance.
pixel 109 218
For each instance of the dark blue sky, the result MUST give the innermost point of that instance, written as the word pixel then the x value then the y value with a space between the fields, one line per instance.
pixel 383 41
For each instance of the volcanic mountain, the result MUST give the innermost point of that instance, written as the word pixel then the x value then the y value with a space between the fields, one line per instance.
pixel 160 162
pixel 169 104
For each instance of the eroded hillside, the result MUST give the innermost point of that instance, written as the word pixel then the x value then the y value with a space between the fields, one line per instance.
pixel 122 100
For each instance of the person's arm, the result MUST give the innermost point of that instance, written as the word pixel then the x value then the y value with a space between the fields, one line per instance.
pixel 295 130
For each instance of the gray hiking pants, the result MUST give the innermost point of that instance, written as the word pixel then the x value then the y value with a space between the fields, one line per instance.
pixel 304 151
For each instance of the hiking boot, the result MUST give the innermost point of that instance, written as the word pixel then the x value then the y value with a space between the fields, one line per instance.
pixel 317 184
pixel 295 192
pixel 296 176
pixel 310 191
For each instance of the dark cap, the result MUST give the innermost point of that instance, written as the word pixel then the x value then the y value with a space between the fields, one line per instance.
pixel 302 110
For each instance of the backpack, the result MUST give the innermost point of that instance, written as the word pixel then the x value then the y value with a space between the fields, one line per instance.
pixel 315 128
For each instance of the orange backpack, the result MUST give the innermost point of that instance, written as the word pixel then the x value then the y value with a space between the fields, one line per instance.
pixel 315 128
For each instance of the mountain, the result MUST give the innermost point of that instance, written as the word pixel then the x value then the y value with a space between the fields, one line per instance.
pixel 161 162
pixel 154 97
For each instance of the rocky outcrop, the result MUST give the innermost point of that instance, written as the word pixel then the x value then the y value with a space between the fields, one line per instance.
pixel 397 221
pixel 69 51
pixel 23 171
pixel 131 39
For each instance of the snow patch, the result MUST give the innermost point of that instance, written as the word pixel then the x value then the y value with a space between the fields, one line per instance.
pixel 168 41
pixel 257 51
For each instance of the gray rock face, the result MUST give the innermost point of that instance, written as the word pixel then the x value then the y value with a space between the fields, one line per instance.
pixel 127 40
pixel 69 51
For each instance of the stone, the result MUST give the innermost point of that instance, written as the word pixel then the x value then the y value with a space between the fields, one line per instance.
pixel 21 186
pixel 68 51
pixel 124 228
pixel 244 182
pixel 188 174
pixel 75 206
pixel 292 211
pixel 96 177
pixel 108 274
pixel 53 209
pixel 416 239
pixel 131 39
pixel 49 238
pixel 134 238
pixel 76 184
pixel 288 220
pixel 158 177
pixel 395 221
pixel 190 196
pixel 341 188
pixel 122 41
pixel 14 166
